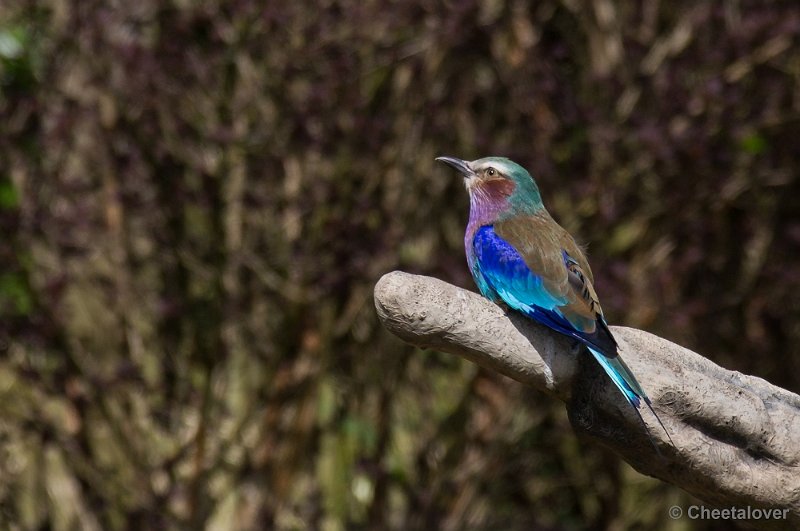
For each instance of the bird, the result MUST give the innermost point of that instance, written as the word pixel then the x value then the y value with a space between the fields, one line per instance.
pixel 520 256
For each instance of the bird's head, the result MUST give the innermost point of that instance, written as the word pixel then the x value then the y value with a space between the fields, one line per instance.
pixel 498 182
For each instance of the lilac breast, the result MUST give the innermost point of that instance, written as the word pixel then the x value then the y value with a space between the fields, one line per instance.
pixel 484 209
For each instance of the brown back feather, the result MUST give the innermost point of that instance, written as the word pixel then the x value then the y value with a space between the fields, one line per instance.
pixel 541 241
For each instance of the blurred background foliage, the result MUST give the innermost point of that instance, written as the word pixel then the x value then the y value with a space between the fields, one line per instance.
pixel 197 197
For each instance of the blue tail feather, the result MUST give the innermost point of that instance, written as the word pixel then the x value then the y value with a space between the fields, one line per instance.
pixel 622 377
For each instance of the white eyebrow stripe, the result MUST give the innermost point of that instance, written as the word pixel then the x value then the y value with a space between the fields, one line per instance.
pixel 498 165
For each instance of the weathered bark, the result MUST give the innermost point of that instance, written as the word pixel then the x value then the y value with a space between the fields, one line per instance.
pixel 736 437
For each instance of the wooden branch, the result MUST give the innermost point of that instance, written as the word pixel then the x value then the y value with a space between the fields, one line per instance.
pixel 737 437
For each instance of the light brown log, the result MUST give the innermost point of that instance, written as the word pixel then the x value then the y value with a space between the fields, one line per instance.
pixel 736 437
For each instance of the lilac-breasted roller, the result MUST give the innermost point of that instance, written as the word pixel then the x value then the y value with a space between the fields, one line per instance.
pixel 519 255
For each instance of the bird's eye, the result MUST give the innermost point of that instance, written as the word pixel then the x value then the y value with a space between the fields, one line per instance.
pixel 491 172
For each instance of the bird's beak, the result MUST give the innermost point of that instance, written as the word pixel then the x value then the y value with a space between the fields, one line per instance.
pixel 461 165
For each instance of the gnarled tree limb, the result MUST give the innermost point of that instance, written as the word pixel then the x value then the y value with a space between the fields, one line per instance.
pixel 737 437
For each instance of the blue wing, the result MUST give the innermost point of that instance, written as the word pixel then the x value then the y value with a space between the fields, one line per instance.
pixel 501 273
